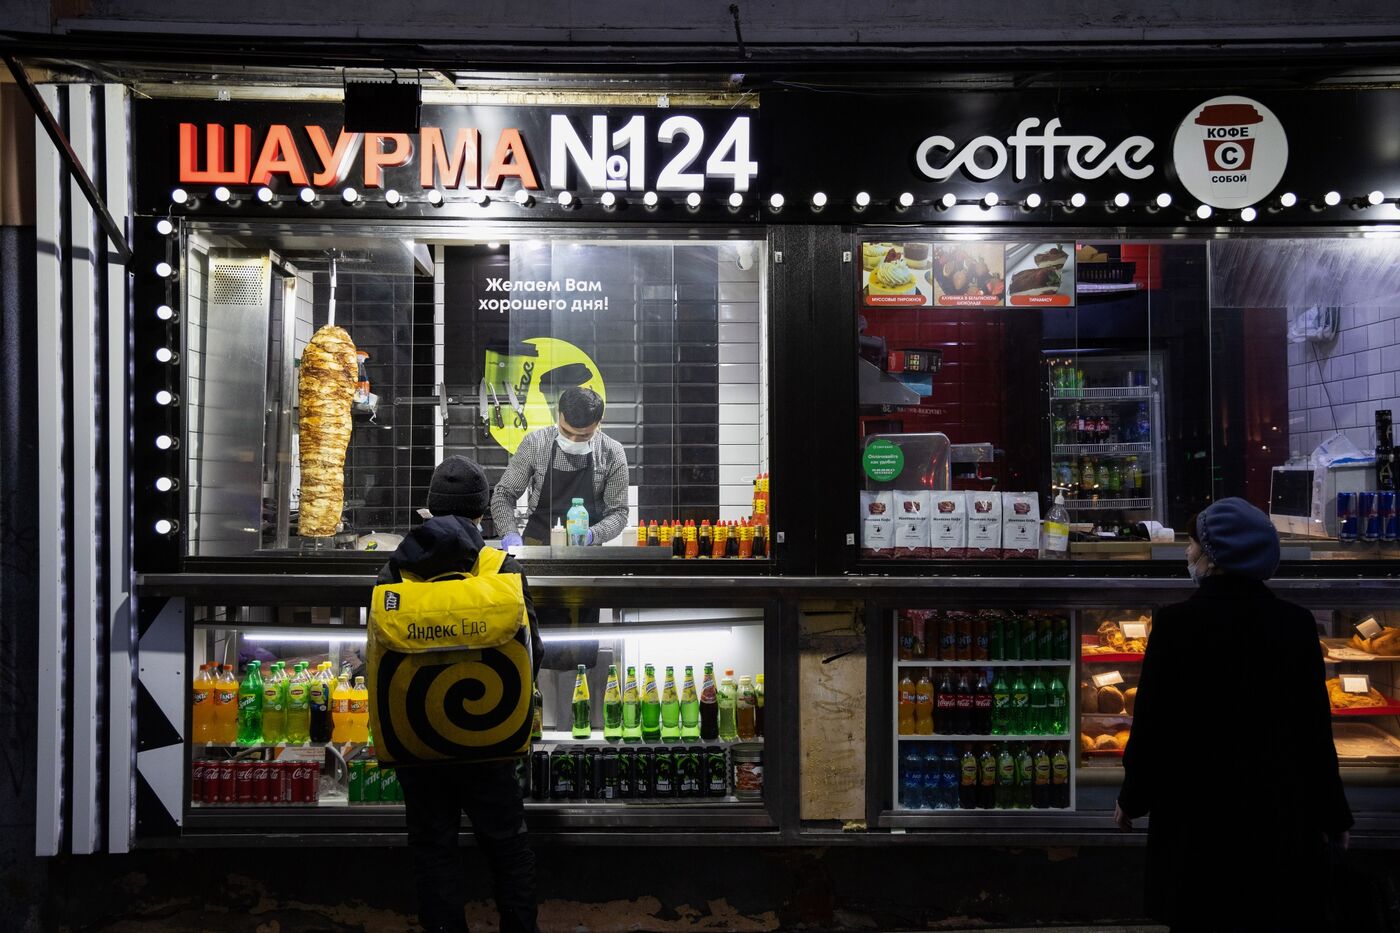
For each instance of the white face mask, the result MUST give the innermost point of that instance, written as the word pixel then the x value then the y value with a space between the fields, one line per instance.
pixel 578 448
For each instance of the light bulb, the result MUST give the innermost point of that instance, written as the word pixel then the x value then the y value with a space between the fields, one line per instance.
pixel 692 200
pixel 164 441
pixel 650 199
pixel 775 201
pixel 608 200
pixel 1164 200
pixel 493 245
pixel 991 200
pixel 350 195
pixel 165 526
pixel 949 200
pixel 164 227
pixel 435 198
pixel 1032 200
pixel 522 197
pixel 736 200
pixel 164 269
pixel 566 199
pixel 1332 198
pixel 1375 198
pixel 164 397
pixel 265 195
pixel 482 199
pixel 1078 199
pixel 863 199
pixel 164 484
pixel 164 355
pixel 1288 199
pixel 1203 212
pixel 307 195
pixel 179 196
pixel 1121 199
pixel 906 199
pixel 165 313
pixel 819 200
pixel 1248 214
pixel 222 194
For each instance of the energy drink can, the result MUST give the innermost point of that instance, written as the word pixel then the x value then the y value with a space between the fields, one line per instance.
pixel 562 774
pixel 1369 518
pixel 539 776
pixel 664 773
pixel 716 772
pixel 688 770
pixel 1346 516
pixel 608 787
pixel 644 774
pixel 626 770
pixel 1390 522
pixel 582 774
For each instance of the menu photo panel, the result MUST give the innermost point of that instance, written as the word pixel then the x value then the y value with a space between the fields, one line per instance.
pixel 1040 275
pixel 970 274
pixel 896 274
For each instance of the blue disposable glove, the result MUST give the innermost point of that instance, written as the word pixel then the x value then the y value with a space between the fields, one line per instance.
pixel 510 541
pixel 590 536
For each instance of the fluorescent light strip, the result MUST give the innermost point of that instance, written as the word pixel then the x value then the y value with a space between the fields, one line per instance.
pixel 305 638
pixel 610 632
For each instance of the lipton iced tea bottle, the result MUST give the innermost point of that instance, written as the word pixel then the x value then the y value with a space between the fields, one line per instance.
pixel 275 706
pixel 299 706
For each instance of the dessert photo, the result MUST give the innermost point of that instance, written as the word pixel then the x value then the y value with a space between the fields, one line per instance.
pixel 969 274
pixel 896 273
pixel 1040 275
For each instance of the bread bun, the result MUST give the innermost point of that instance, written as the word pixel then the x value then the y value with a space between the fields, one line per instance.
pixel 1110 700
pixel 1088 698
pixel 1121 737
pixel 1105 743
pixel 1129 698
pixel 1086 744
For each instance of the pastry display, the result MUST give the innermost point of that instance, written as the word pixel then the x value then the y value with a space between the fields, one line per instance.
pixel 1121 737
pixel 1086 742
pixel 1088 698
pixel 1086 253
pixel 1112 641
pixel 1107 743
pixel 917 255
pixel 1386 643
pixel 1340 699
pixel 325 391
pixel 1129 698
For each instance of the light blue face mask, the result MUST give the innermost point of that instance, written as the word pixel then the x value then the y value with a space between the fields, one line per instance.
pixel 577 448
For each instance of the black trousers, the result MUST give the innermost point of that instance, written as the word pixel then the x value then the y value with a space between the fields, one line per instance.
pixel 435 797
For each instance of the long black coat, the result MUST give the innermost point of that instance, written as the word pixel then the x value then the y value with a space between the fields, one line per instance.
pixel 1231 753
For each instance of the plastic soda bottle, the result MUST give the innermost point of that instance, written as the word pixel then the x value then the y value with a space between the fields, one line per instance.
pixel 933 778
pixel 1040 791
pixel 319 694
pixel 576 523
pixel 986 779
pixel 728 701
pixel 1057 712
pixel 758 695
pixel 359 711
pixel 709 705
pixel 299 706
pixel 340 708
pixel 226 706
pixel 612 707
pixel 967 779
pixel 583 712
pixel 1001 705
pixel 1040 705
pixel 745 710
pixel 908 701
pixel 274 707
pixel 670 707
pixel 1025 777
pixel 202 709
pixel 631 709
pixel 690 706
pixel 911 778
pixel 923 705
pixel 250 701
pixel 651 706
pixel 1020 706
pixel 1006 779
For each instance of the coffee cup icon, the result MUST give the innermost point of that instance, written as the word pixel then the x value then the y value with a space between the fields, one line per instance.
pixel 1228 135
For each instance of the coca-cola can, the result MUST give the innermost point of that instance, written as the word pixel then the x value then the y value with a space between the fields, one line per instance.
pixel 210 792
pixel 296 782
pixel 278 781
pixel 306 780
pixel 197 781
pixel 228 782
pixel 262 783
pixel 245 773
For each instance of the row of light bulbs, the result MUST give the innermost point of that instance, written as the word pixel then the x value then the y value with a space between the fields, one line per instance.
pixel 862 200
pixel 164 397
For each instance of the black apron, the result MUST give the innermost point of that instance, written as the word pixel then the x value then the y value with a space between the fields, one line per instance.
pixel 561 488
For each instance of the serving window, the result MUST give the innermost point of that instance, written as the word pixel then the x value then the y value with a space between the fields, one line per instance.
pixel 464 344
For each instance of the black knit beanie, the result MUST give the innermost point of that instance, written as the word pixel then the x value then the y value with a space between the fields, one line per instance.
pixel 459 487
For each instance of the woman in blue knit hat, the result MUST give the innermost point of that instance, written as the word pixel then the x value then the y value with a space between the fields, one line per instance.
pixel 1231 751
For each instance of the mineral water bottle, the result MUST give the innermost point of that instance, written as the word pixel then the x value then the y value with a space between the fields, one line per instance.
pixel 911 777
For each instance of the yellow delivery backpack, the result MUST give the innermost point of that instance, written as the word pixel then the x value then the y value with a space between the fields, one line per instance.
pixel 450 672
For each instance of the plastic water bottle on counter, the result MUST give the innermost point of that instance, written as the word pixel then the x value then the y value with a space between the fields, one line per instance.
pixel 578 523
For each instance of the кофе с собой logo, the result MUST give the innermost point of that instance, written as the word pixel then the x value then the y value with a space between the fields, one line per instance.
pixel 1230 152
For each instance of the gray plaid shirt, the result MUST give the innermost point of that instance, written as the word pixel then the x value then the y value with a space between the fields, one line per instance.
pixel 531 463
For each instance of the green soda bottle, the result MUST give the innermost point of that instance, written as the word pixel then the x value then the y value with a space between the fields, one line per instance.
pixel 651 707
pixel 1001 704
pixel 631 709
pixel 690 706
pixel 1040 706
pixel 1020 706
pixel 612 707
pixel 1057 712
pixel 250 700
pixel 583 712
pixel 670 708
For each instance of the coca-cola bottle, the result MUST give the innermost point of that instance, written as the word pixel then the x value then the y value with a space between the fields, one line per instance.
pixel 945 706
pixel 965 705
pixel 982 706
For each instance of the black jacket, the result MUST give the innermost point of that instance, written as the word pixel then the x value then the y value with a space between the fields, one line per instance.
pixel 1232 755
pixel 447 543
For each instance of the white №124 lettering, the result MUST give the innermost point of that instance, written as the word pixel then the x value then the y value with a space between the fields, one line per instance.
pixel 617 159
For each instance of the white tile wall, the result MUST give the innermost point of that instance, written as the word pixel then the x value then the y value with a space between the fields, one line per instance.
pixel 741 381
pixel 1339 385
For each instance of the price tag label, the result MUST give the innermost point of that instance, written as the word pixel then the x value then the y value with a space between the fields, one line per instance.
pixel 1134 629
pixel 1369 629
pixel 1107 680
pixel 303 753
pixel 1356 683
